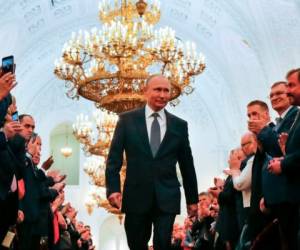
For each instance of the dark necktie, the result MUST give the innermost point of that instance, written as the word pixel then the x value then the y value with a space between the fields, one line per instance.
pixel 278 121
pixel 155 134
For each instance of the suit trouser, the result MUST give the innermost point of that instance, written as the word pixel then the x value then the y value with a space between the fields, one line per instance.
pixel 138 229
pixel 288 217
pixel 27 241
pixel 8 214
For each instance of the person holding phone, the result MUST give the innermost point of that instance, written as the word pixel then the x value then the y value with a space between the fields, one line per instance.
pixel 12 112
pixel 7 83
pixel 12 151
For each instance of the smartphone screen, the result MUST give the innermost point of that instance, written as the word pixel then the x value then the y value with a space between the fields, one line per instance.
pixel 15 116
pixel 8 64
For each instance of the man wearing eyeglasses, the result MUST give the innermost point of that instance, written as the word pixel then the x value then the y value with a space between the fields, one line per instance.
pixel 274 186
pixel 288 165
pixel 281 103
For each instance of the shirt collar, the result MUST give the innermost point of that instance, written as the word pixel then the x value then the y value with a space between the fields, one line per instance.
pixel 285 112
pixel 149 111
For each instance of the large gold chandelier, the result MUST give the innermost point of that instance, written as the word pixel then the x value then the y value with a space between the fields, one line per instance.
pixel 110 66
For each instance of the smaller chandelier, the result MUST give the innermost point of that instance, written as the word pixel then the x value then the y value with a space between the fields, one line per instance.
pixel 95 135
pixel 66 151
pixel 95 166
pixel 97 198
pixel 95 169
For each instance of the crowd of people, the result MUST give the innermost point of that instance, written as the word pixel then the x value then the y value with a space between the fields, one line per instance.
pixel 33 211
pixel 257 205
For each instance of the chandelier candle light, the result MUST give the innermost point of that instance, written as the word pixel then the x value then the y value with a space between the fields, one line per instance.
pixel 66 151
pixel 95 169
pixel 95 138
pixel 110 66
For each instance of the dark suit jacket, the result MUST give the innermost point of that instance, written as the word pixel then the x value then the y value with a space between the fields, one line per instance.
pixel 274 187
pixel 269 135
pixel 37 194
pixel 2 141
pixel 44 224
pixel 151 179
pixel 256 220
pixel 227 222
pixel 30 202
pixel 11 163
pixel 290 163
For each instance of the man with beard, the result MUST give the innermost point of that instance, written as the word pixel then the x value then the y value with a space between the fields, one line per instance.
pixel 288 165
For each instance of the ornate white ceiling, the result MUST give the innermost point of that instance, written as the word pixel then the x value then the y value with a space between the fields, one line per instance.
pixel 248 44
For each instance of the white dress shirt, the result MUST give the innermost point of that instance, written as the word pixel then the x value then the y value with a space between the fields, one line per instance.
pixel 242 181
pixel 285 112
pixel 162 120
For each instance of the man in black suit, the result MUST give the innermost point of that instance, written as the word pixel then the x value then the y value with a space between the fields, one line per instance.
pixel 274 187
pixel 35 204
pixel 29 205
pixel 227 222
pixel 288 165
pixel 9 172
pixel 154 141
pixel 258 114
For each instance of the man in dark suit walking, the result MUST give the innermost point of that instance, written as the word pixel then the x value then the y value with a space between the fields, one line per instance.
pixel 288 165
pixel 154 141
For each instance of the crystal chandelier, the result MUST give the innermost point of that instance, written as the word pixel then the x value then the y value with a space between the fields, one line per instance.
pixel 95 135
pixel 97 145
pixel 95 199
pixel 95 169
pixel 110 66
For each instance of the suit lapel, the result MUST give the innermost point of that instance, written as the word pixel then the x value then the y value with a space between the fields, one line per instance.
pixel 168 134
pixel 142 130
pixel 287 117
pixel 292 129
